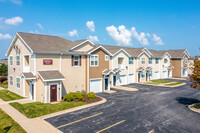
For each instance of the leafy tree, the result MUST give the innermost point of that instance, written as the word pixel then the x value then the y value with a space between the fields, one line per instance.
pixel 4 70
pixel 195 77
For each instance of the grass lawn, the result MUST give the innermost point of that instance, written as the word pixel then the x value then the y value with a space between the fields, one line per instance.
pixel 173 84
pixel 197 106
pixel 152 83
pixel 4 86
pixel 160 81
pixel 7 95
pixel 8 125
pixel 36 109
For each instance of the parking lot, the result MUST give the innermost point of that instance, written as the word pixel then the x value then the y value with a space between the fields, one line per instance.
pixel 158 109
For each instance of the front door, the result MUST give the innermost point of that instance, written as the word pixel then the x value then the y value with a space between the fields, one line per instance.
pixel 53 93
pixel 114 80
pixel 32 91
pixel 139 77
pixel 147 76
pixel 106 83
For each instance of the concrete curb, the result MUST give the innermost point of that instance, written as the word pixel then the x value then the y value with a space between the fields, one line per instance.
pixel 193 109
pixel 73 109
pixel 124 88
pixel 162 85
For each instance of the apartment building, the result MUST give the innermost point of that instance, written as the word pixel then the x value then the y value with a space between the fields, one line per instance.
pixel 45 68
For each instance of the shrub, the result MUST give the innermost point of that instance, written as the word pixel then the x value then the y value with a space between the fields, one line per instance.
pixel 3 78
pixel 74 96
pixel 5 82
pixel 91 95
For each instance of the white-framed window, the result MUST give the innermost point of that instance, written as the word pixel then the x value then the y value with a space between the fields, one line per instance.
pixel 143 61
pixel 150 60
pixel 186 60
pixel 131 60
pixel 106 57
pixel 18 82
pixel 11 80
pixel 11 60
pixel 76 60
pixel 94 60
pixel 18 60
pixel 157 60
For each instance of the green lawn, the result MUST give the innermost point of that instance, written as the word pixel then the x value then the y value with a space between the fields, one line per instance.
pixel 197 106
pixel 8 125
pixel 36 109
pixel 7 95
pixel 173 84
pixel 4 86
pixel 160 81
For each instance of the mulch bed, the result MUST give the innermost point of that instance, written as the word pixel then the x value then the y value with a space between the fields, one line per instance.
pixel 89 101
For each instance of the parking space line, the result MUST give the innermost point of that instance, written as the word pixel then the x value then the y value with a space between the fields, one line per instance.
pixel 80 120
pixel 110 126
pixel 152 131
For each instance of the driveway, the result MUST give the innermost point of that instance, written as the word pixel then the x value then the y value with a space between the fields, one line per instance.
pixel 160 109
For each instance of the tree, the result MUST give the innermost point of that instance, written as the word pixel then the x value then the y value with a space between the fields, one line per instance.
pixel 4 70
pixel 195 77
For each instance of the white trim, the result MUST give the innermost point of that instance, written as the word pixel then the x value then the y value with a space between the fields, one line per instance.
pixel 181 67
pixel 50 91
pixel 25 43
pixel 34 64
pixel 11 44
pixel 45 87
pixel 145 53
pixel 88 82
pixel 9 80
pixel 24 61
pixel 23 87
pixel 102 49
pixel 188 54
pixel 166 54
pixel 19 82
pixel 81 44
pixel 106 56
pixel 123 51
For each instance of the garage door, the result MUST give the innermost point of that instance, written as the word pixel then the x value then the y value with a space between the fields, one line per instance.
pixel 156 76
pixel 122 79
pixel 131 78
pixel 96 85
pixel 164 74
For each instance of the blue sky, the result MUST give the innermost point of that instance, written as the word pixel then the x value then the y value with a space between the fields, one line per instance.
pixel 155 24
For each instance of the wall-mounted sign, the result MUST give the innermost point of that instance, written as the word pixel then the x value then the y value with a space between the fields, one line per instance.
pixel 47 62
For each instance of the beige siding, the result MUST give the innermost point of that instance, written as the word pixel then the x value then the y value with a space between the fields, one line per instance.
pixel 84 47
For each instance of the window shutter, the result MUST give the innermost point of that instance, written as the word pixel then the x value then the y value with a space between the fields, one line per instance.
pixel 80 60
pixel 72 60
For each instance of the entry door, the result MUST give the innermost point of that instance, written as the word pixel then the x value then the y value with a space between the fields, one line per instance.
pixel 106 83
pixel 139 77
pixel 32 91
pixel 53 93
pixel 147 76
pixel 114 80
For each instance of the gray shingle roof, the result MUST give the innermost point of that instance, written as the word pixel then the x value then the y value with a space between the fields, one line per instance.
pixel 157 53
pixel 51 75
pixel 4 62
pixel 178 53
pixel 28 75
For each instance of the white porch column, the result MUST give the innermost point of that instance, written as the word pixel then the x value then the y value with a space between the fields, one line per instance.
pixel 45 98
pixel 60 90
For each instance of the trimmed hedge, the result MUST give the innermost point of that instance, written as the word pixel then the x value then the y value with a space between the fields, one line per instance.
pixel 74 96
pixel 91 96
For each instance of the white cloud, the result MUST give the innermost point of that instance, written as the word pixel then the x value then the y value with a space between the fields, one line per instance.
pixel 139 37
pixel 18 2
pixel 157 40
pixel 93 38
pixel 73 33
pixel 35 32
pixel 90 25
pixel 14 21
pixel 5 36
pixel 148 35
pixel 40 26
pixel 121 37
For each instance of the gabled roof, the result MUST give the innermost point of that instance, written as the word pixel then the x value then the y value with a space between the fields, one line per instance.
pixel 178 53
pixel 50 75
pixel 157 54
pixel 28 75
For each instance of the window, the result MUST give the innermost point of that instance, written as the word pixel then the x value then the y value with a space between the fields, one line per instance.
pixel 143 61
pixel 18 60
pixel 130 60
pixel 11 80
pixel 94 59
pixel 150 60
pixel 186 60
pixel 142 74
pixel 106 57
pixel 157 60
pixel 76 60
pixel 18 82
pixel 165 60
pixel 11 60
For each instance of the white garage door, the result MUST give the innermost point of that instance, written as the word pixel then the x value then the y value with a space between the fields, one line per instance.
pixel 96 85
pixel 122 79
pixel 164 74
pixel 156 76
pixel 131 78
